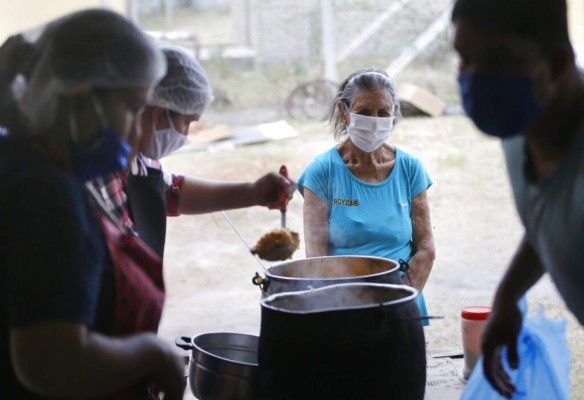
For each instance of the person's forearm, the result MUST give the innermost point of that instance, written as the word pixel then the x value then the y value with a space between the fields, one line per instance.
pixel 111 364
pixel 85 365
pixel 200 196
pixel 424 249
pixel 316 230
pixel 524 272
pixel 421 264
pixel 315 240
pixel 314 250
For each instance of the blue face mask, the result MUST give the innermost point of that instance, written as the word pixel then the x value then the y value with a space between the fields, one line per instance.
pixel 499 105
pixel 104 154
pixel 107 153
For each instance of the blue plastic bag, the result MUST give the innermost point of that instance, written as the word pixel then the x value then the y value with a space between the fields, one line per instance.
pixel 544 364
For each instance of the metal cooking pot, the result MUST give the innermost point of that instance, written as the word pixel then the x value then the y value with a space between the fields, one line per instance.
pixel 223 366
pixel 347 341
pixel 315 272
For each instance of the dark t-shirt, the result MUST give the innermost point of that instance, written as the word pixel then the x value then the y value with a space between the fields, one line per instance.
pixel 53 260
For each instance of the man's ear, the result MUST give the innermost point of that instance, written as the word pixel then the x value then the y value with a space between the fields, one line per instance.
pixel 562 60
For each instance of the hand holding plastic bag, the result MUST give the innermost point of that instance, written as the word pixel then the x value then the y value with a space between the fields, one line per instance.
pixel 544 364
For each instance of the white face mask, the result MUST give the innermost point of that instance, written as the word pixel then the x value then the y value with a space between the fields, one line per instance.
pixel 369 133
pixel 164 141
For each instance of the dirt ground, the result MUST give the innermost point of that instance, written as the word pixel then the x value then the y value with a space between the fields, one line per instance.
pixel 208 270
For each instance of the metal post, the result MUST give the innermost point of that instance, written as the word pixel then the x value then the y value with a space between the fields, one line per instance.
pixel 168 14
pixel 328 40
pixel 421 42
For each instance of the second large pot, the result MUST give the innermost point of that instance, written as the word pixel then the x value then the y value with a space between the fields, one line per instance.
pixel 347 341
pixel 315 272
pixel 223 365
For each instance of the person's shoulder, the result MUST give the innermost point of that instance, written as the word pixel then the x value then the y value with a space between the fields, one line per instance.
pixel 26 173
pixel 327 155
pixel 319 167
pixel 406 157
pixel 324 158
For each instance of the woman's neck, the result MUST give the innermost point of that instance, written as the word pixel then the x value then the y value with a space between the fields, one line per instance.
pixel 352 155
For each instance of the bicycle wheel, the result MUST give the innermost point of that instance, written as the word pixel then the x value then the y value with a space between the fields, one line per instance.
pixel 310 100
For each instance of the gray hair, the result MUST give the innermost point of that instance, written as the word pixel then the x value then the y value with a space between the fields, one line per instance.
pixel 363 79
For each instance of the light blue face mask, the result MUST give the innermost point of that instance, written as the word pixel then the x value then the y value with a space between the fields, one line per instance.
pixel 499 105
pixel 104 154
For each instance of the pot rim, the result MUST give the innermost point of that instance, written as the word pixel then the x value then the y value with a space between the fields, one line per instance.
pixel 346 278
pixel 198 348
pixel 413 294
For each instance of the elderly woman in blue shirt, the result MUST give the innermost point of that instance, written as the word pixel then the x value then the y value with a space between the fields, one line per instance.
pixel 365 196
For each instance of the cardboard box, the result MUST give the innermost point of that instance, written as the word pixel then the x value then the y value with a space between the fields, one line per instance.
pixel 421 99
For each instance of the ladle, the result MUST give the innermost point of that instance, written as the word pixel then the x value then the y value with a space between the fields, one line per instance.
pixel 243 240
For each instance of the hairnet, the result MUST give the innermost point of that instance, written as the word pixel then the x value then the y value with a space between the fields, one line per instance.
pixel 185 87
pixel 91 48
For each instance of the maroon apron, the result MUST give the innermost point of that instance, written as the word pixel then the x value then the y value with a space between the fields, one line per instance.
pixel 139 290
pixel 139 282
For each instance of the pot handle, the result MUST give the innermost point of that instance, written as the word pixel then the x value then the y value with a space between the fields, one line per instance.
pixel 184 342
pixel 422 318
pixel 404 267
pixel 262 282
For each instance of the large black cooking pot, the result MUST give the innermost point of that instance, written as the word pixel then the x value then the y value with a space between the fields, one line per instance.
pixel 315 272
pixel 346 341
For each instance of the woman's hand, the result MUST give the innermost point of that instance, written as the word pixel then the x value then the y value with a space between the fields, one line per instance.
pixel 268 187
pixel 169 377
pixel 502 330
pixel 506 319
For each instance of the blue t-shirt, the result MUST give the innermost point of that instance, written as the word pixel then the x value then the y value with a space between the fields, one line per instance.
pixel 54 263
pixel 368 218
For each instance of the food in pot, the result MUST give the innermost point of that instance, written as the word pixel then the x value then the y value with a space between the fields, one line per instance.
pixel 277 245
